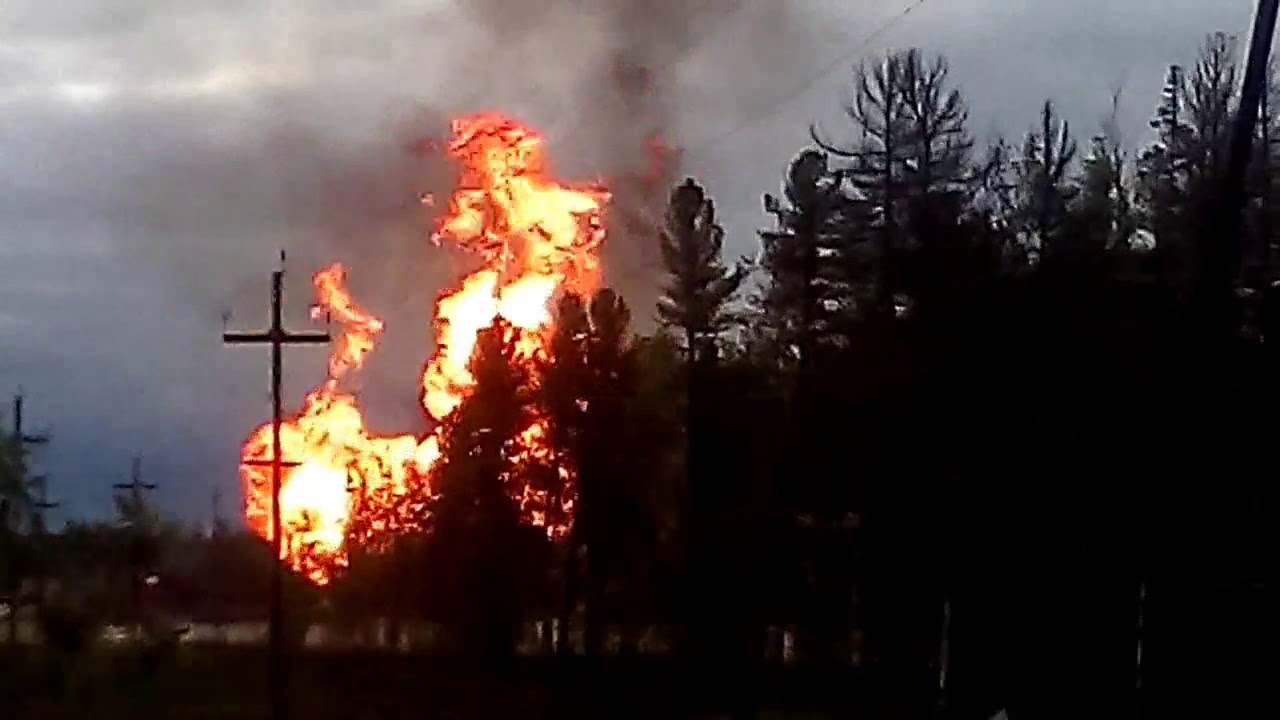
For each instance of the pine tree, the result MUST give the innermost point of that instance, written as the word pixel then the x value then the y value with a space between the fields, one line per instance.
pixel 562 383
pixel 477 536
pixel 911 161
pixel 939 142
pixel 695 304
pixel 1162 171
pixel 878 161
pixel 1177 176
pixel 610 493
pixel 1210 94
pixel 1102 211
pixel 655 454
pixel 994 202
pixel 808 258
pixel 699 285
pixel 816 269
pixel 1048 157
pixel 585 384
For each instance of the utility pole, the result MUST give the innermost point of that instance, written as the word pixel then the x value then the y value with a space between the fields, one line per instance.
pixel 1225 258
pixel 944 660
pixel 277 337
pixel 23 440
pixel 1223 252
pixel 1138 678
pixel 37 439
pixel 135 486
pixel 215 516
pixel 40 503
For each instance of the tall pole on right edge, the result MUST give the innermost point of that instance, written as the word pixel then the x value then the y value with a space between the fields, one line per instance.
pixel 1224 255
pixel 1223 252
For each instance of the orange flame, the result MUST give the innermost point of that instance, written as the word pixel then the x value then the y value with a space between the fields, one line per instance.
pixel 535 238
pixel 534 235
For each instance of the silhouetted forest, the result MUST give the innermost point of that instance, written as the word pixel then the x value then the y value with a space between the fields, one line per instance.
pixel 966 414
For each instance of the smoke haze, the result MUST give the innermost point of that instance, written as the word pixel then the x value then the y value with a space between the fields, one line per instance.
pixel 154 155
pixel 333 179
pixel 157 155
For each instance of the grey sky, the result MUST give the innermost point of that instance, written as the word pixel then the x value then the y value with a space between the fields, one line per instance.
pixel 154 154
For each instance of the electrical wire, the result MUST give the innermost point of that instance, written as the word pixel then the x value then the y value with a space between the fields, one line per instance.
pixel 772 107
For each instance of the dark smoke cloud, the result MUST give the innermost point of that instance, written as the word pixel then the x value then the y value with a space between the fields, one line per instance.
pixel 603 79
pixel 619 99
pixel 156 156
pixel 312 153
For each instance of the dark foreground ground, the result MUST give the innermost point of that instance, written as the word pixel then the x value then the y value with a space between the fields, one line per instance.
pixel 219 682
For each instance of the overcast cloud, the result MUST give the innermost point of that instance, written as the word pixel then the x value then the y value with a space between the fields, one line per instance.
pixel 154 154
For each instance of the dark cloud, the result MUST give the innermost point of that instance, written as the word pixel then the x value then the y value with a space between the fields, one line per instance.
pixel 154 155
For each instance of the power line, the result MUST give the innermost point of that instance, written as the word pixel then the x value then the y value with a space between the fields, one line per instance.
pixel 772 107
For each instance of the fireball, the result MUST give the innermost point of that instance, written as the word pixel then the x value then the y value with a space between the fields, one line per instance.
pixel 532 238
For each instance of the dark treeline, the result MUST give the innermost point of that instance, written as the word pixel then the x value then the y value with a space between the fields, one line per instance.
pixel 964 398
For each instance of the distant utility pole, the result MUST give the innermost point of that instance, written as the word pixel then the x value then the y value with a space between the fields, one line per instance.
pixel 135 486
pixel 38 481
pixel 944 659
pixel 1138 678
pixel 40 503
pixel 23 440
pixel 216 522
pixel 20 437
pixel 277 337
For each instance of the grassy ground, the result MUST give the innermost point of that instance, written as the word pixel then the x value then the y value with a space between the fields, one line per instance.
pixel 217 682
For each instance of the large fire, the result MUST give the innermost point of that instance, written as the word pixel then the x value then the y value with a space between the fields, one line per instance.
pixel 534 238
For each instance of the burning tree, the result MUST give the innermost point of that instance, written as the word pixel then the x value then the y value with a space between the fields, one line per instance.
pixel 476 528
pixel 586 380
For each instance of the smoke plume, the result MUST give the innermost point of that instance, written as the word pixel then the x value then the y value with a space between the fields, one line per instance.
pixel 605 80
pixel 294 128
pixel 608 76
